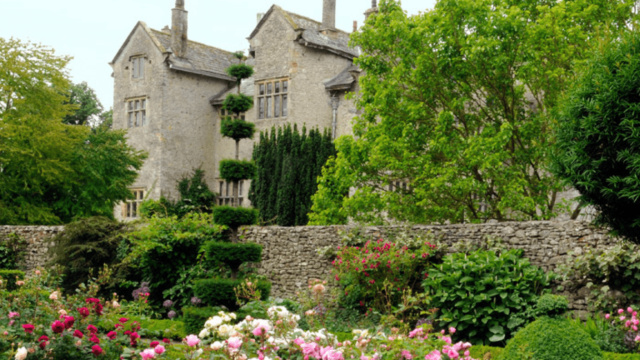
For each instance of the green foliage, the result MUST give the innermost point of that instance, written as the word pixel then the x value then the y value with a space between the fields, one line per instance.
pixel 551 339
pixel 84 247
pixel 479 352
pixel 237 129
pixel 12 251
pixel 598 148
pixel 181 292
pixel 234 217
pixel 220 291
pixel 194 318
pixel 53 172
pixel 240 71
pixel 232 254
pixel 613 356
pixel 455 103
pixel 235 170
pixel 166 246
pixel 237 103
pixel 158 208
pixel 288 163
pixel 86 104
pixel 485 296
pixel 604 332
pixel 153 328
pixel 9 278
pixel 606 272
pixel 552 305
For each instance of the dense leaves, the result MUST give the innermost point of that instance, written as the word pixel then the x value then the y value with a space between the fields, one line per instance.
pixel 237 103
pixel 232 254
pixel 455 103
pixel 234 170
pixel 87 106
pixel 598 140
pixel 233 217
pixel 487 297
pixel 288 163
pixel 237 129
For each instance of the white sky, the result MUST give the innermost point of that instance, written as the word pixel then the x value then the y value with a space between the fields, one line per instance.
pixel 92 31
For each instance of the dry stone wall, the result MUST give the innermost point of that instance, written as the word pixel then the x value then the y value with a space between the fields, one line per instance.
pixel 290 258
pixel 35 237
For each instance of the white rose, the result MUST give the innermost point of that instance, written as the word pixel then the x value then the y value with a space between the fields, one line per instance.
pixel 54 295
pixel 233 315
pixel 213 322
pixel 217 345
pixel 22 353
pixel 204 334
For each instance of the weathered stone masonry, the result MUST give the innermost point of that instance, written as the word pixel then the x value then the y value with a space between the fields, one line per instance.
pixel 37 246
pixel 290 259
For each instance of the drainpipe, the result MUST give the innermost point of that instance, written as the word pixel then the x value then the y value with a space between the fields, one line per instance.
pixel 335 103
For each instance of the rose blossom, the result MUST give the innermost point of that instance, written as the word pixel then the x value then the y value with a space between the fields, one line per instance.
pixel 13 314
pixel 112 335
pixel 22 353
pixel 96 350
pixel 57 327
pixel 83 311
pixel 192 340
pixel 148 354
pixel 54 295
pixel 69 321
pixel 28 328
pixel 159 349
pixel 234 342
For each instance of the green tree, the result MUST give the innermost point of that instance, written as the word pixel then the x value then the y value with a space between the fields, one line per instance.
pixel 87 106
pixel 455 102
pixel 51 172
pixel 598 147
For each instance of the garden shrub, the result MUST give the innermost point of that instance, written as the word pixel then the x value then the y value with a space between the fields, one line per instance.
pixel 480 352
pixel 221 291
pixel 9 278
pixel 232 254
pixel 165 247
pixel 153 328
pixel 374 275
pixel 84 247
pixel 233 217
pixel 606 272
pixel 485 296
pixel 234 170
pixel 614 356
pixel 12 251
pixel 552 305
pixel 237 128
pixel 551 339
pixel 194 317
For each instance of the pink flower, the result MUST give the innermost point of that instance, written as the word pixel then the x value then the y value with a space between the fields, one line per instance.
pixel 620 311
pixel 69 321
pixel 148 354
pixel 13 314
pixel 192 340
pixel 622 318
pixel 159 349
pixel 154 344
pixel 77 333
pixel 19 282
pixel 112 335
pixel 406 354
pixel 84 312
pixel 28 328
pixel 96 350
pixel 260 330
pixel 92 329
pixel 629 310
pixel 607 316
pixel 234 342
pixel 123 320
pixel 452 330
pixel 94 339
pixel 434 355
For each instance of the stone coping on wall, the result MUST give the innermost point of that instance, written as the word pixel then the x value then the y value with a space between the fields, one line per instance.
pixel 37 246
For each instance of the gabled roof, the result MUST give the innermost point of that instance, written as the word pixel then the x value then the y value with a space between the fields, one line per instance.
pixel 200 59
pixel 309 33
pixel 344 80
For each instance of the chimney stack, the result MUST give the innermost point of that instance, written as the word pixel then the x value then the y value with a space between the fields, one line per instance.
pixel 179 26
pixel 355 26
pixel 329 15
pixel 374 9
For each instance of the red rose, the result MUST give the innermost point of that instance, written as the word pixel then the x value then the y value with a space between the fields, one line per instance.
pixel 92 329
pixel 69 321
pixel 78 334
pixel 166 341
pixel 94 339
pixel 92 300
pixel 28 328
pixel 83 311
pixel 112 335
pixel 96 350
pixel 57 327
pixel 43 338
pixel 98 308
pixel 154 344
pixel 123 320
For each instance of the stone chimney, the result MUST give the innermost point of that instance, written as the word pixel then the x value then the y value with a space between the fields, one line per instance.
pixel 329 15
pixel 374 9
pixel 355 26
pixel 179 25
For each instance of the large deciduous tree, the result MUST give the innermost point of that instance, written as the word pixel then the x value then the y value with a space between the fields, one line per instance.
pixel 455 102
pixel 87 107
pixel 51 172
pixel 598 140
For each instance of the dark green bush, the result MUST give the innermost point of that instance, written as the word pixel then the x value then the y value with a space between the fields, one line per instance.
pixel 234 170
pixel 613 356
pixel 194 318
pixel 551 339
pixel 480 352
pixel 220 291
pixel 12 251
pixel 240 71
pixel 232 254
pixel 552 305
pixel 84 247
pixel 233 217
pixel 485 296
pixel 9 278
pixel 237 129
pixel 153 328
pixel 237 103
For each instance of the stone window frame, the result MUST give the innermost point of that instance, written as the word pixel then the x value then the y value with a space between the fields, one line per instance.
pixel 225 194
pixel 131 207
pixel 273 98
pixel 136 111
pixel 137 66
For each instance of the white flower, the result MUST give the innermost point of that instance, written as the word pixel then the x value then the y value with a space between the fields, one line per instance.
pixel 232 315
pixel 22 353
pixel 213 322
pixel 54 295
pixel 198 353
pixel 204 333
pixel 217 345
pixel 224 330
pixel 115 304
pixel 279 311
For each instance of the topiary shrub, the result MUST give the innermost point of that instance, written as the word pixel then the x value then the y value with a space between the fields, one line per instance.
pixel 220 291
pixel 237 103
pixel 552 305
pixel 233 217
pixel 9 278
pixel 232 254
pixel 237 129
pixel 234 170
pixel 551 339
pixel 194 318
pixel 485 296
pixel 240 71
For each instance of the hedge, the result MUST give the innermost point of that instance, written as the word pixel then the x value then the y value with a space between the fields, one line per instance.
pixel 220 291
pixel 232 254
pixel 9 278
pixel 165 328
pixel 233 217
pixel 194 318
pixel 234 170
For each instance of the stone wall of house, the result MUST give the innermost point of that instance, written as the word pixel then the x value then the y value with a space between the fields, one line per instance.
pixel 290 259
pixel 36 242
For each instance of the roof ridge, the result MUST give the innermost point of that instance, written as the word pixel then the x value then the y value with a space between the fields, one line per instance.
pixel 195 42
pixel 310 19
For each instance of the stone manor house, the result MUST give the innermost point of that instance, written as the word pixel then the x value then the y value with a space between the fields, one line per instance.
pixel 168 93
